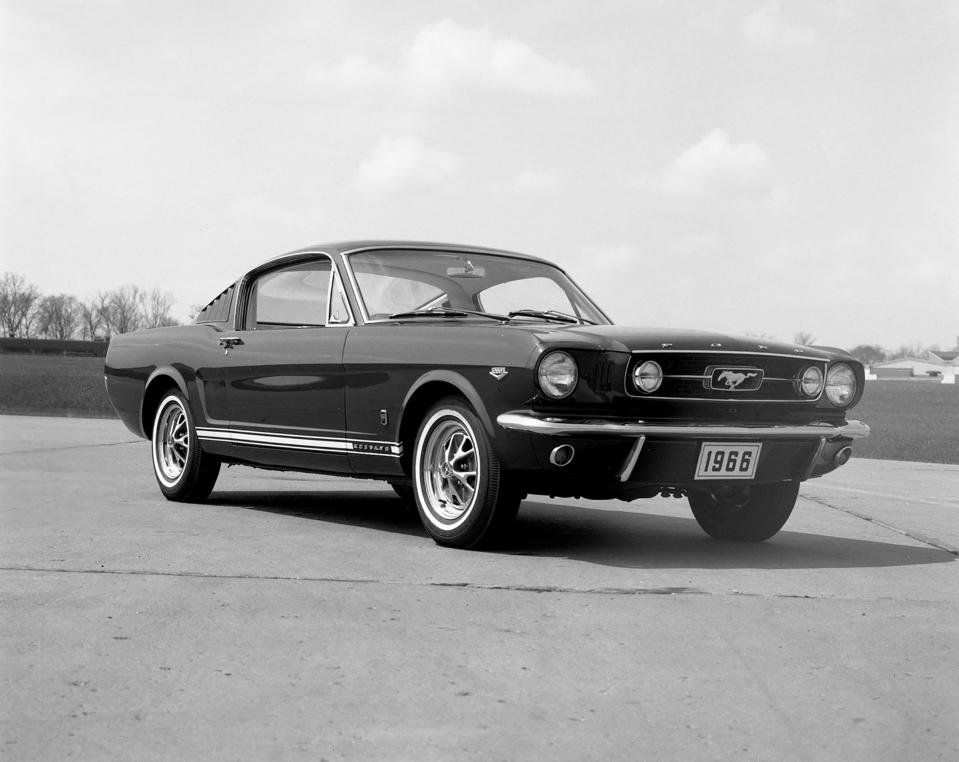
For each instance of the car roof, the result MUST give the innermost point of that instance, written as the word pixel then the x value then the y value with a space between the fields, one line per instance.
pixel 350 247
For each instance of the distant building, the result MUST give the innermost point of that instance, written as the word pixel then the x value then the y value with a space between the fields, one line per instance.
pixel 915 367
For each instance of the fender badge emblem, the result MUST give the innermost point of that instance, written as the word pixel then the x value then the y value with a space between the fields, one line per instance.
pixel 498 372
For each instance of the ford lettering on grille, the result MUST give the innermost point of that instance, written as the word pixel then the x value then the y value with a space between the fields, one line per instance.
pixel 734 379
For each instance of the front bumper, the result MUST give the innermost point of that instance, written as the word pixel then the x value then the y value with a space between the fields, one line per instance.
pixel 603 427
pixel 629 453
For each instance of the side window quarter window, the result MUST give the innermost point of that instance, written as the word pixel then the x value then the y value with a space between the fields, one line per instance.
pixel 291 297
pixel 339 308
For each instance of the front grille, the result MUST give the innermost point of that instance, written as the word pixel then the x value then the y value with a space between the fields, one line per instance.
pixel 685 376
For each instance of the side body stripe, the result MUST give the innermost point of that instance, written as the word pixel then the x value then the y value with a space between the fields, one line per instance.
pixel 298 442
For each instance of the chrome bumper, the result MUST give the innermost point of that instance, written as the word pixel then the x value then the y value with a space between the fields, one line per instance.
pixel 598 427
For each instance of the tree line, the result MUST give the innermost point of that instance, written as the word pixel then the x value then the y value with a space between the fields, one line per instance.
pixel 25 313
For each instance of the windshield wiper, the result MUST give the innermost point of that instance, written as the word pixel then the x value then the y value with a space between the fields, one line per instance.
pixel 559 317
pixel 446 312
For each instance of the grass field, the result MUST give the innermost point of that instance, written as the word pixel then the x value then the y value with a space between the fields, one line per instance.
pixel 910 420
pixel 53 385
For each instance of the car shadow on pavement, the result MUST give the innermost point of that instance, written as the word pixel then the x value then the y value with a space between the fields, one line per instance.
pixel 646 540
pixel 380 510
pixel 616 538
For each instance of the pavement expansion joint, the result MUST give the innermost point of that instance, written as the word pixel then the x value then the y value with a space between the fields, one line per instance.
pixel 538 589
pixel 367 581
pixel 71 447
pixel 905 533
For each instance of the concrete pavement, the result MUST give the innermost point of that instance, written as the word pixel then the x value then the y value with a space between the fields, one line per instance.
pixel 301 616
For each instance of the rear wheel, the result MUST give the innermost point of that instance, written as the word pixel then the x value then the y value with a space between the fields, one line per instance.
pixel 184 472
pixel 745 513
pixel 462 494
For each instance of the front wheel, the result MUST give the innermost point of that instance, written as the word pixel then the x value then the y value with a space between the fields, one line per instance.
pixel 184 472
pixel 746 513
pixel 462 494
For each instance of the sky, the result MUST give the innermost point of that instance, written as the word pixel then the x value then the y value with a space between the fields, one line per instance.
pixel 752 166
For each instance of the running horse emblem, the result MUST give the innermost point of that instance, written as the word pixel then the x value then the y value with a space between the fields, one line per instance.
pixel 733 378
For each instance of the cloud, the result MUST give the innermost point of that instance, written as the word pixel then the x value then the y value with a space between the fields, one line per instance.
pixel 403 162
pixel 768 27
pixel 445 56
pixel 717 167
pixel 534 181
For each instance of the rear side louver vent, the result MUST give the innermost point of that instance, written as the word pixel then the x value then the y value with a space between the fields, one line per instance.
pixel 218 311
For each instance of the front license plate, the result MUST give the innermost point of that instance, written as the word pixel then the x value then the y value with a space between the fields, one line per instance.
pixel 723 460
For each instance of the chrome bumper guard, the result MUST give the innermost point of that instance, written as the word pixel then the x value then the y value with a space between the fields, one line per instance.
pixel 600 427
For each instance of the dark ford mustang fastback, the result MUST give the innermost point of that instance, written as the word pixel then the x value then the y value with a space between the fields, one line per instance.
pixel 469 378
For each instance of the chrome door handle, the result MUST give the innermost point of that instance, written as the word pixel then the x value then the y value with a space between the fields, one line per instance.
pixel 227 342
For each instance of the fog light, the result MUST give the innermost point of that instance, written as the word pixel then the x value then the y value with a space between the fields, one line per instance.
pixel 811 381
pixel 648 376
pixel 842 457
pixel 562 455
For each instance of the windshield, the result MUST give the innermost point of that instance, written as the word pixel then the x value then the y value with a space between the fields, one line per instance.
pixel 392 282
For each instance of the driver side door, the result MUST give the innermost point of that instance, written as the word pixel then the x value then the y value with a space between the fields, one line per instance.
pixel 283 370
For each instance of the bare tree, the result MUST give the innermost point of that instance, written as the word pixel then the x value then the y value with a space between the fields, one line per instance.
pixel 91 316
pixel 917 350
pixel 868 354
pixel 17 299
pixel 58 316
pixel 156 309
pixel 805 339
pixel 123 311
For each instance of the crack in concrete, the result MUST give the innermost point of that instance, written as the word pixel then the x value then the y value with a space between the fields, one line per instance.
pixel 904 532
pixel 538 589
pixel 72 447
pixel 366 581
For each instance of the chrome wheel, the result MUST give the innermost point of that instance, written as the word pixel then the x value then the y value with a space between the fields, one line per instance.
pixel 183 470
pixel 171 442
pixel 463 496
pixel 450 469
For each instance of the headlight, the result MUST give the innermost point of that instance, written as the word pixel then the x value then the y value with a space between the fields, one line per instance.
pixel 811 381
pixel 557 375
pixel 840 384
pixel 647 376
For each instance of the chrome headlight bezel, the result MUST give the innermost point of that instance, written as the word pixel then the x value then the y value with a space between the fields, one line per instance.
pixel 557 374
pixel 647 376
pixel 811 381
pixel 841 384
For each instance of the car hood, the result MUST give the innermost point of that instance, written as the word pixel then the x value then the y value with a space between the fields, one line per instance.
pixel 614 338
